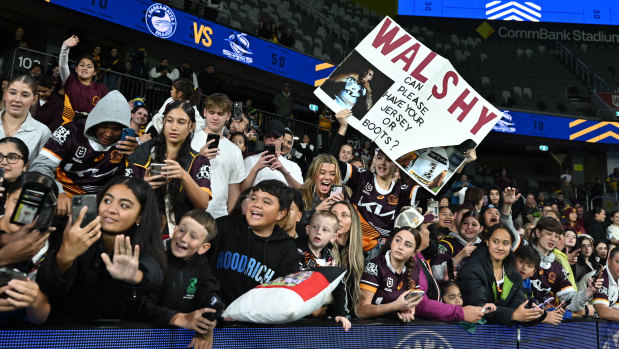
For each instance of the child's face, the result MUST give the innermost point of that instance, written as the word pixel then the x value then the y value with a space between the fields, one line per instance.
pixel 239 141
pixel 453 296
pixel 525 268
pixel 321 231
pixel 263 210
pixel 188 238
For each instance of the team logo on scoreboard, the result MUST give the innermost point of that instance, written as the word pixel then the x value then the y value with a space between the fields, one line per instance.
pixel 160 21
pixel 506 124
pixel 514 11
pixel 239 44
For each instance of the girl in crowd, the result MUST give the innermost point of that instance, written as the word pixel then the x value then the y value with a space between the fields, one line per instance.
pixel 489 276
pixel 601 251
pixel 184 182
pixel 494 197
pixel 16 120
pixel 593 225
pixel 445 218
pixel 612 231
pixel 586 259
pixel 569 241
pixel 454 249
pixel 450 293
pixel 182 91
pixel 323 173
pixel 387 280
pixel 101 264
pixel 571 221
pixel 350 246
pixel 240 140
pixel 81 91
pixel 14 160
pixel 490 216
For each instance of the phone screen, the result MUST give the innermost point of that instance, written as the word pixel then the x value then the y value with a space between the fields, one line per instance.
pixel 210 137
pixel 335 189
pixel 270 149
pixel 28 206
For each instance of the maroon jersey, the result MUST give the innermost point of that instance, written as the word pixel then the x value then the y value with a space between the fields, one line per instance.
pixel 608 293
pixel 84 165
pixel 380 278
pixel 83 98
pixel 377 207
pixel 550 280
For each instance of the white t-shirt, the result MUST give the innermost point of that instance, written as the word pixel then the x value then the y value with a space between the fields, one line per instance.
pixel 227 168
pixel 267 173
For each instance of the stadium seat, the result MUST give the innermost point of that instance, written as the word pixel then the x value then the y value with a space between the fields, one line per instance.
pixel 506 96
pixel 485 81
pixel 527 92
pixel 518 91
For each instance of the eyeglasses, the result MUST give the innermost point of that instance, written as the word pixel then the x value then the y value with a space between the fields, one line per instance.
pixel 11 158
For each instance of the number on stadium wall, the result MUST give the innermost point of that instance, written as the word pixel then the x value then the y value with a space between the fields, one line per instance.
pixel 596 14
pixel 538 125
pixel 102 3
pixel 26 62
pixel 278 61
pixel 428 5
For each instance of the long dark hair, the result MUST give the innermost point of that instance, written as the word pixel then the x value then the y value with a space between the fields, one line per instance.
pixel 411 262
pixel 20 145
pixel 187 90
pixel 509 260
pixel 184 159
pixel 146 232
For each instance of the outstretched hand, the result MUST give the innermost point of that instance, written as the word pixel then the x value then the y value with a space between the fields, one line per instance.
pixel 125 261
pixel 72 41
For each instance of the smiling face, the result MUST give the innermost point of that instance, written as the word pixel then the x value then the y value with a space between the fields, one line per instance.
pixel 499 244
pixel 325 178
pixel 615 218
pixel 287 144
pixel 344 218
pixel 445 218
pixel 119 210
pixel 140 117
pixel 320 232
pixel 547 240
pixel 177 126
pixel 12 171
pixel 18 98
pixel 44 92
pixel 402 246
pixel 263 210
pixel 216 119
pixel 491 217
pixel 345 153
pixel 384 166
pixel 470 229
pixel 85 70
pixel 494 196
pixel 188 239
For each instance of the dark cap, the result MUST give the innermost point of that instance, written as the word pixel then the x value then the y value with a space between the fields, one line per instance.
pixel 274 127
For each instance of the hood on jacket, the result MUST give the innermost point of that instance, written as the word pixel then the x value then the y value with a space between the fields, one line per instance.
pixel 111 108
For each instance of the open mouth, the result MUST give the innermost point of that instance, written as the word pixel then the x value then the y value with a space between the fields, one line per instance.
pixel 494 220
pixel 180 247
pixel 324 186
pixel 256 214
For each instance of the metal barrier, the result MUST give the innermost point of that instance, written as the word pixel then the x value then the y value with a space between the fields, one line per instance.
pixel 608 203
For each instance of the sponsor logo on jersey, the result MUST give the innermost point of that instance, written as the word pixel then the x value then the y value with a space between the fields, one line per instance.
pixel 204 172
pixel 160 21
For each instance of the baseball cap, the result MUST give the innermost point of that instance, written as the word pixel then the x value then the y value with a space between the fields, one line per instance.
pixel 274 127
pixel 412 218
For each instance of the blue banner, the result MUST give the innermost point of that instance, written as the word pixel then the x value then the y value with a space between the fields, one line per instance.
pixel 560 11
pixel 177 26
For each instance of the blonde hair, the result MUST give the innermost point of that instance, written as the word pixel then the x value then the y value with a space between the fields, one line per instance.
pixel 351 255
pixel 309 186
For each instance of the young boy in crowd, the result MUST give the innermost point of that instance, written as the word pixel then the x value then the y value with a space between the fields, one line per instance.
pixel 315 251
pixel 253 249
pixel 188 297
pixel 295 213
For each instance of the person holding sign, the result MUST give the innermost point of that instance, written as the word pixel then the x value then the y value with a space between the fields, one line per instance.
pixel 377 196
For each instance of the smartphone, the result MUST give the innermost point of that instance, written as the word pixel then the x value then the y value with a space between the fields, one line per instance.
pixel 127 132
pixel 414 294
pixel 237 111
pixel 433 205
pixel 335 189
pixel 7 275
pixel 486 309
pixel 210 137
pixel 156 169
pixel 78 202
pixel 29 204
pixel 567 303
pixel 1 172
pixel 216 304
pixel 270 150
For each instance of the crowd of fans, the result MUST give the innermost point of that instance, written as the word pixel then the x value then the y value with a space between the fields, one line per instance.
pixel 184 191
pixel 278 34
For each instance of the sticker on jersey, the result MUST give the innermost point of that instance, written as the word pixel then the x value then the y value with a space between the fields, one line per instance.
pixel 239 44
pixel 160 21
pixel 80 152
pixel 371 269
pixel 441 249
pixel 60 135
pixel 191 289
pixel 128 172
pixel 115 157
pixel 204 172
pixel 389 282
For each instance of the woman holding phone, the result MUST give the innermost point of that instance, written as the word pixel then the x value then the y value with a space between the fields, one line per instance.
pixel 179 175
pixel 323 174
pixel 14 162
pixel 100 265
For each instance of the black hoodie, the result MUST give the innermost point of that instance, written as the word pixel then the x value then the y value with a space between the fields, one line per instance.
pixel 241 260
pixel 188 285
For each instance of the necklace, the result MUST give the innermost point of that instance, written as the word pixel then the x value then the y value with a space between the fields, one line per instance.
pixel 10 132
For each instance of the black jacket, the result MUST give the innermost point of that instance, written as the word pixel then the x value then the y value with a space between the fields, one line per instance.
pixel 88 292
pixel 188 285
pixel 476 280
pixel 242 260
